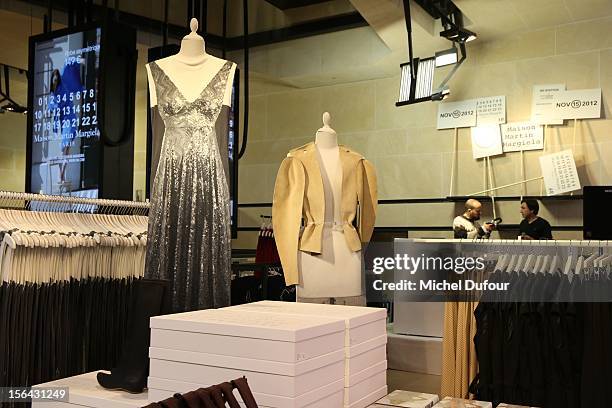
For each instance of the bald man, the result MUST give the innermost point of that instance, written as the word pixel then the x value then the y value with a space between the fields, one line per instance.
pixel 466 225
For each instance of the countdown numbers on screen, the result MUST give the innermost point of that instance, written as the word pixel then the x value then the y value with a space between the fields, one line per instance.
pixel 64 115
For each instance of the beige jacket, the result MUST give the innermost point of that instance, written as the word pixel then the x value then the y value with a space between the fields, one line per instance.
pixel 299 194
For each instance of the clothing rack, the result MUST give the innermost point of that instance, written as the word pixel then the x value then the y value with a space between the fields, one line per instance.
pixel 67 203
pixel 524 242
pixel 68 265
pixel 544 341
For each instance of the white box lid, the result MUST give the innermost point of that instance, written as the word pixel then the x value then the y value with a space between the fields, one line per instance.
pixel 249 364
pixel 361 376
pixel 369 399
pixel 409 399
pixel 358 349
pixel 353 316
pixel 242 323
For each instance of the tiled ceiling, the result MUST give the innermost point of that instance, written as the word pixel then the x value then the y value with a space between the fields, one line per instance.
pixel 495 18
pixel 491 19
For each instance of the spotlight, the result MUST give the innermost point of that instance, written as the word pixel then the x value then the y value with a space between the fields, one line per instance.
pixel 440 94
pixel 419 88
pixel 446 57
pixel 458 34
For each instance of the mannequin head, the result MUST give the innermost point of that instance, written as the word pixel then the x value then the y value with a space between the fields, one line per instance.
pixel 326 124
pixel 326 136
pixel 193 47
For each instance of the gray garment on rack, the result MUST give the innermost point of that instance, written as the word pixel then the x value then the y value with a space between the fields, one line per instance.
pixel 189 237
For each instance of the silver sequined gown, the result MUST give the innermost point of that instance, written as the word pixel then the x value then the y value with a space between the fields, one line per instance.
pixel 189 234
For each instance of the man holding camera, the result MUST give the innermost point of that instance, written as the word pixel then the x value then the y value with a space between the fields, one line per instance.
pixel 466 225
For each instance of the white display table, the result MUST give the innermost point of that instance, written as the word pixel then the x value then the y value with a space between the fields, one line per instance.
pixel 84 391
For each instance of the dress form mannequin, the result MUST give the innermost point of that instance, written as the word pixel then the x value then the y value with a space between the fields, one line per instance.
pixel 336 272
pixel 188 241
pixel 191 69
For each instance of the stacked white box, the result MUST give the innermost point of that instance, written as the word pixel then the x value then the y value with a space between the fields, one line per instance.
pixel 365 342
pixel 289 361
pixel 324 397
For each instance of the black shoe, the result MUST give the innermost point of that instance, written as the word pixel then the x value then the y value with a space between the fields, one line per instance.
pixel 149 299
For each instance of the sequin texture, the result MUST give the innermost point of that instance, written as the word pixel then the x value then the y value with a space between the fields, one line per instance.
pixel 189 238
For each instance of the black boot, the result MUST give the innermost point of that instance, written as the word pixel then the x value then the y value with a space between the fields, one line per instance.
pixel 150 298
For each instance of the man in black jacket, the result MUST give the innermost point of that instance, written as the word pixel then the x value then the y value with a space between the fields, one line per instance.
pixel 533 226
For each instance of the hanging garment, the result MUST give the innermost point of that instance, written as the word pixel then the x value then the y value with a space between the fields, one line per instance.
pixel 459 364
pixel 299 193
pixel 189 220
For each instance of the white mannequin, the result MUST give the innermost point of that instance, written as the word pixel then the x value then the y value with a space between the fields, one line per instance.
pixel 336 272
pixel 192 68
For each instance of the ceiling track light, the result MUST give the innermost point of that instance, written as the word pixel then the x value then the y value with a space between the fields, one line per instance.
pixel 446 57
pixel 458 34
pixel 440 94
pixel 417 75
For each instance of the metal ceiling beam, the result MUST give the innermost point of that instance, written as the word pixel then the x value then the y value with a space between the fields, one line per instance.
pixel 301 30
pixel 288 4
pixel 435 8
pixel 316 27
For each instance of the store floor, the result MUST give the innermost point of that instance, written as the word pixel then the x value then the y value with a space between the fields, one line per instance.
pixel 409 381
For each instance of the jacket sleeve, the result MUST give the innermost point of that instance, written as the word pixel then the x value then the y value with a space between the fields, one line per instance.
pixel 367 194
pixel 287 215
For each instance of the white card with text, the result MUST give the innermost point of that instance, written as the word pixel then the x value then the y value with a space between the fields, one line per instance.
pixel 559 172
pixel 491 110
pixel 578 104
pixel 542 111
pixel 522 136
pixel 457 114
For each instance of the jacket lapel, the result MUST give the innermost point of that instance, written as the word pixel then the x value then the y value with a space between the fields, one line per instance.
pixel 348 164
pixel 310 161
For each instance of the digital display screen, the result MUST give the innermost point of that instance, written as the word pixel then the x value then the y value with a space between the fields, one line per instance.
pixel 65 137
